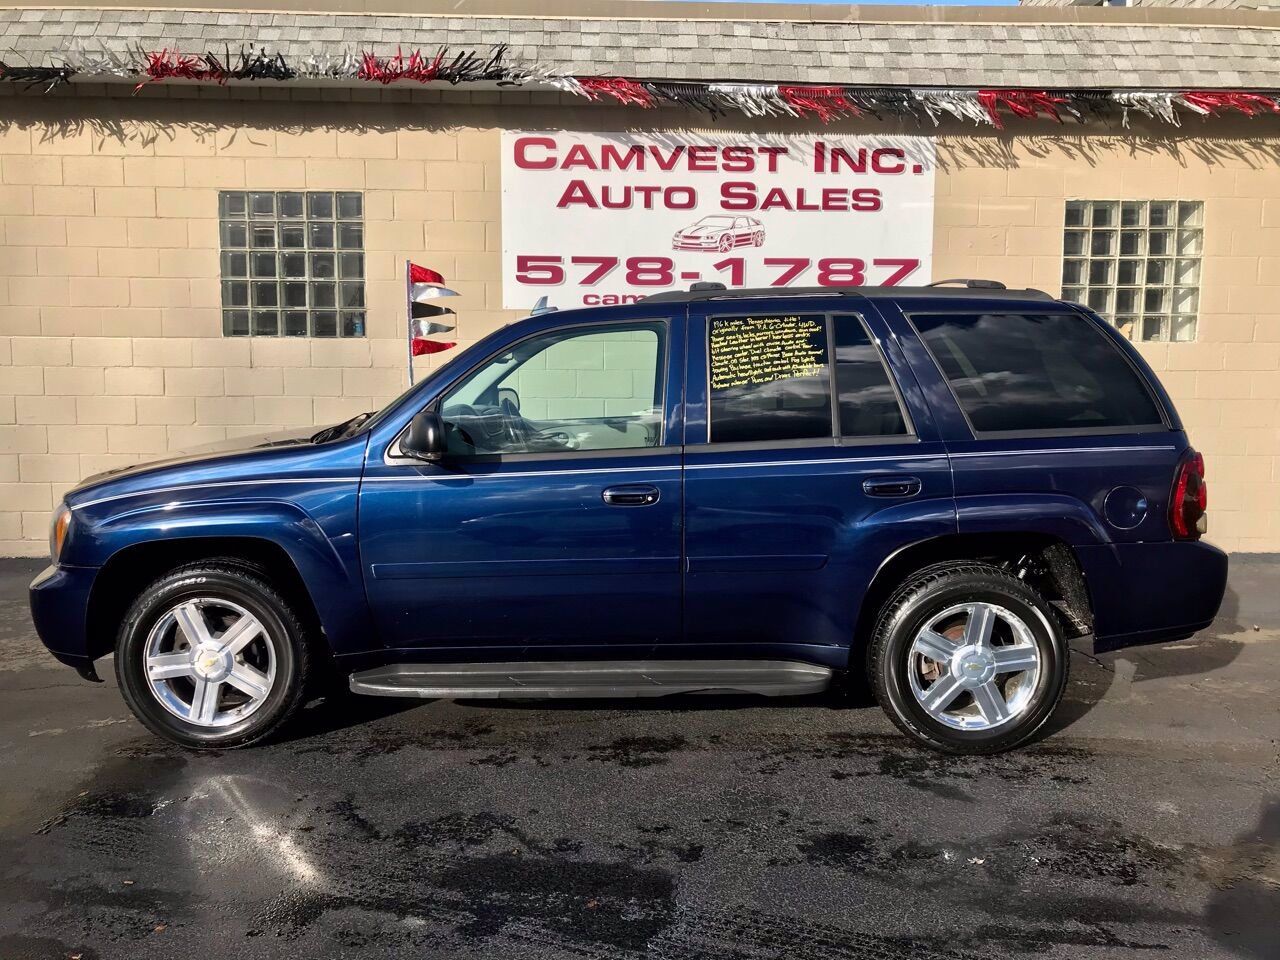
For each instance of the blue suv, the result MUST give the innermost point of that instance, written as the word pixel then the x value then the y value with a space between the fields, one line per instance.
pixel 760 491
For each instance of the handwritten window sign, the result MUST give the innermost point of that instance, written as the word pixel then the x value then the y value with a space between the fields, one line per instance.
pixel 769 378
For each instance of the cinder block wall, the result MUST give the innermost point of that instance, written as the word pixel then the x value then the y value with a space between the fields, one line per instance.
pixel 607 375
pixel 111 348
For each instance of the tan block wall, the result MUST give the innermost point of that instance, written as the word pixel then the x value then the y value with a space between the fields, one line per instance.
pixel 110 326
pixel 111 346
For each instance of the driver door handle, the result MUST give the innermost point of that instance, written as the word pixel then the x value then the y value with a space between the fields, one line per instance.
pixel 631 495
pixel 891 486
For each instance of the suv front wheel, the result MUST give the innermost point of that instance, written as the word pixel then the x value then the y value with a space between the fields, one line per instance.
pixel 968 659
pixel 210 655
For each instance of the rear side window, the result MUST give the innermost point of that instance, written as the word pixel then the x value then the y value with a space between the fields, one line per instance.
pixel 1036 372
pixel 869 405
pixel 770 378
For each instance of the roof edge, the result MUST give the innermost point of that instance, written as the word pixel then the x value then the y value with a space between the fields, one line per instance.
pixel 649 10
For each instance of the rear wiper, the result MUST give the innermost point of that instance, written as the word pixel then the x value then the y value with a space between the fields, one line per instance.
pixel 341 429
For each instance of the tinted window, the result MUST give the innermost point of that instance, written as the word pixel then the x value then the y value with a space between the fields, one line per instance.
pixel 770 378
pixel 1036 372
pixel 868 404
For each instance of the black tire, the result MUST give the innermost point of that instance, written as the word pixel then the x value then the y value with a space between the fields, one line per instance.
pixel 932 591
pixel 283 630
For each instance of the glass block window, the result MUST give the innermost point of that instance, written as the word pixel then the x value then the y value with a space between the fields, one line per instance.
pixel 292 263
pixel 1136 262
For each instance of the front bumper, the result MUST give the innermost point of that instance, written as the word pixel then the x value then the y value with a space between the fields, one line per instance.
pixel 59 608
pixel 695 244
pixel 1152 592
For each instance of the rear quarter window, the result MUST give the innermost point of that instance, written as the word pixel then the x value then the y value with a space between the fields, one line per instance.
pixel 1036 372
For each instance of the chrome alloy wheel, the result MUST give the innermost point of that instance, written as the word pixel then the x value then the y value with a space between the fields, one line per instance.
pixel 974 666
pixel 209 661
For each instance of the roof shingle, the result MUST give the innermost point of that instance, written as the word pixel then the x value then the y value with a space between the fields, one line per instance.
pixel 972 54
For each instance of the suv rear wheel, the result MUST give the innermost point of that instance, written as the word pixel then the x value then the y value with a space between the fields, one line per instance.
pixel 968 659
pixel 210 655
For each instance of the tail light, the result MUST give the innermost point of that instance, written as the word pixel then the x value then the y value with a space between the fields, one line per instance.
pixel 1190 499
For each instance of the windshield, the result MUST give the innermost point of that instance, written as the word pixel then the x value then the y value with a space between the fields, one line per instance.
pixel 715 222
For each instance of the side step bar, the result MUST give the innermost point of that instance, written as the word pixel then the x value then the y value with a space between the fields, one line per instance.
pixel 586 679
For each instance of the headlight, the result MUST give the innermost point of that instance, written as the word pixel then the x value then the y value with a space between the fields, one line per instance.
pixel 58 531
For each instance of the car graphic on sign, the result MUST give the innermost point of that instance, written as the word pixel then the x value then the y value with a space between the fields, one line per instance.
pixel 721 233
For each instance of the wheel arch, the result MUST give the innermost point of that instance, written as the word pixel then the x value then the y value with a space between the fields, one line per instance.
pixel 128 571
pixel 1045 561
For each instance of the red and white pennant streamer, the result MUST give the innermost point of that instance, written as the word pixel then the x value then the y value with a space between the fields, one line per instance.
pixel 422 286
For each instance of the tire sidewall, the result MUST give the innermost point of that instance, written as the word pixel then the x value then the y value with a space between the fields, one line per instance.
pixel 162 597
pixel 912 615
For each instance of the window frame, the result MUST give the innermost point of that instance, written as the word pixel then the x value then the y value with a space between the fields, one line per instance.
pixel 393 456
pixel 1099 328
pixel 835 438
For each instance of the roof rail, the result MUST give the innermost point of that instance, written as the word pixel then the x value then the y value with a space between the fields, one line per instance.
pixel 970 284
pixel 700 294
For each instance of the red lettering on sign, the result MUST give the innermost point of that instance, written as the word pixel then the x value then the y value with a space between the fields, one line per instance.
pixel 577 192
pixel 738 159
pixel 646 196
pixel 738 195
pixel 702 158
pixel 772 154
pixel 523 144
pixel 579 156
pixel 894 164
pixel 612 158
pixel 865 200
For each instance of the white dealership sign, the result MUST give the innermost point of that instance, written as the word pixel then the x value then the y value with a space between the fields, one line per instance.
pixel 595 219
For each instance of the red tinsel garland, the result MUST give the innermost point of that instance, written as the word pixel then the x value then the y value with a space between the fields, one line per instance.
pixel 391 69
pixel 1021 103
pixel 171 65
pixel 1247 103
pixel 826 103
pixel 627 92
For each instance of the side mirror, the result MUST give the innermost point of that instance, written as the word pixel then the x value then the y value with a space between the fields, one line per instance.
pixel 425 439
pixel 507 393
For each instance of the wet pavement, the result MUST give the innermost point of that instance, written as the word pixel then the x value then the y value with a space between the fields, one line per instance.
pixel 1149 822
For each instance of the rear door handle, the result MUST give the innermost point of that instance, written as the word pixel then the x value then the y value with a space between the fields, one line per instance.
pixel 891 486
pixel 631 495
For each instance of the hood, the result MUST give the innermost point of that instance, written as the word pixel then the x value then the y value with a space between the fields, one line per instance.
pixel 701 231
pixel 218 450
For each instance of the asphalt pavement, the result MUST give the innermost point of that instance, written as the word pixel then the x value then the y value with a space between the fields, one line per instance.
pixel 1147 823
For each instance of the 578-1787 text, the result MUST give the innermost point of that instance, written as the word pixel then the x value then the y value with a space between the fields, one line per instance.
pixel 661 271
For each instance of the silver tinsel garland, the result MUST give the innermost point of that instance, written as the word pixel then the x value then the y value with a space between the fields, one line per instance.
pixel 961 104
pixel 1158 106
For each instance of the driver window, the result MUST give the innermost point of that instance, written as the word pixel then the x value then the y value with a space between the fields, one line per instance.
pixel 568 390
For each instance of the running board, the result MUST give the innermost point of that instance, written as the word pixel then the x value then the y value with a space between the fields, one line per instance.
pixel 586 679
